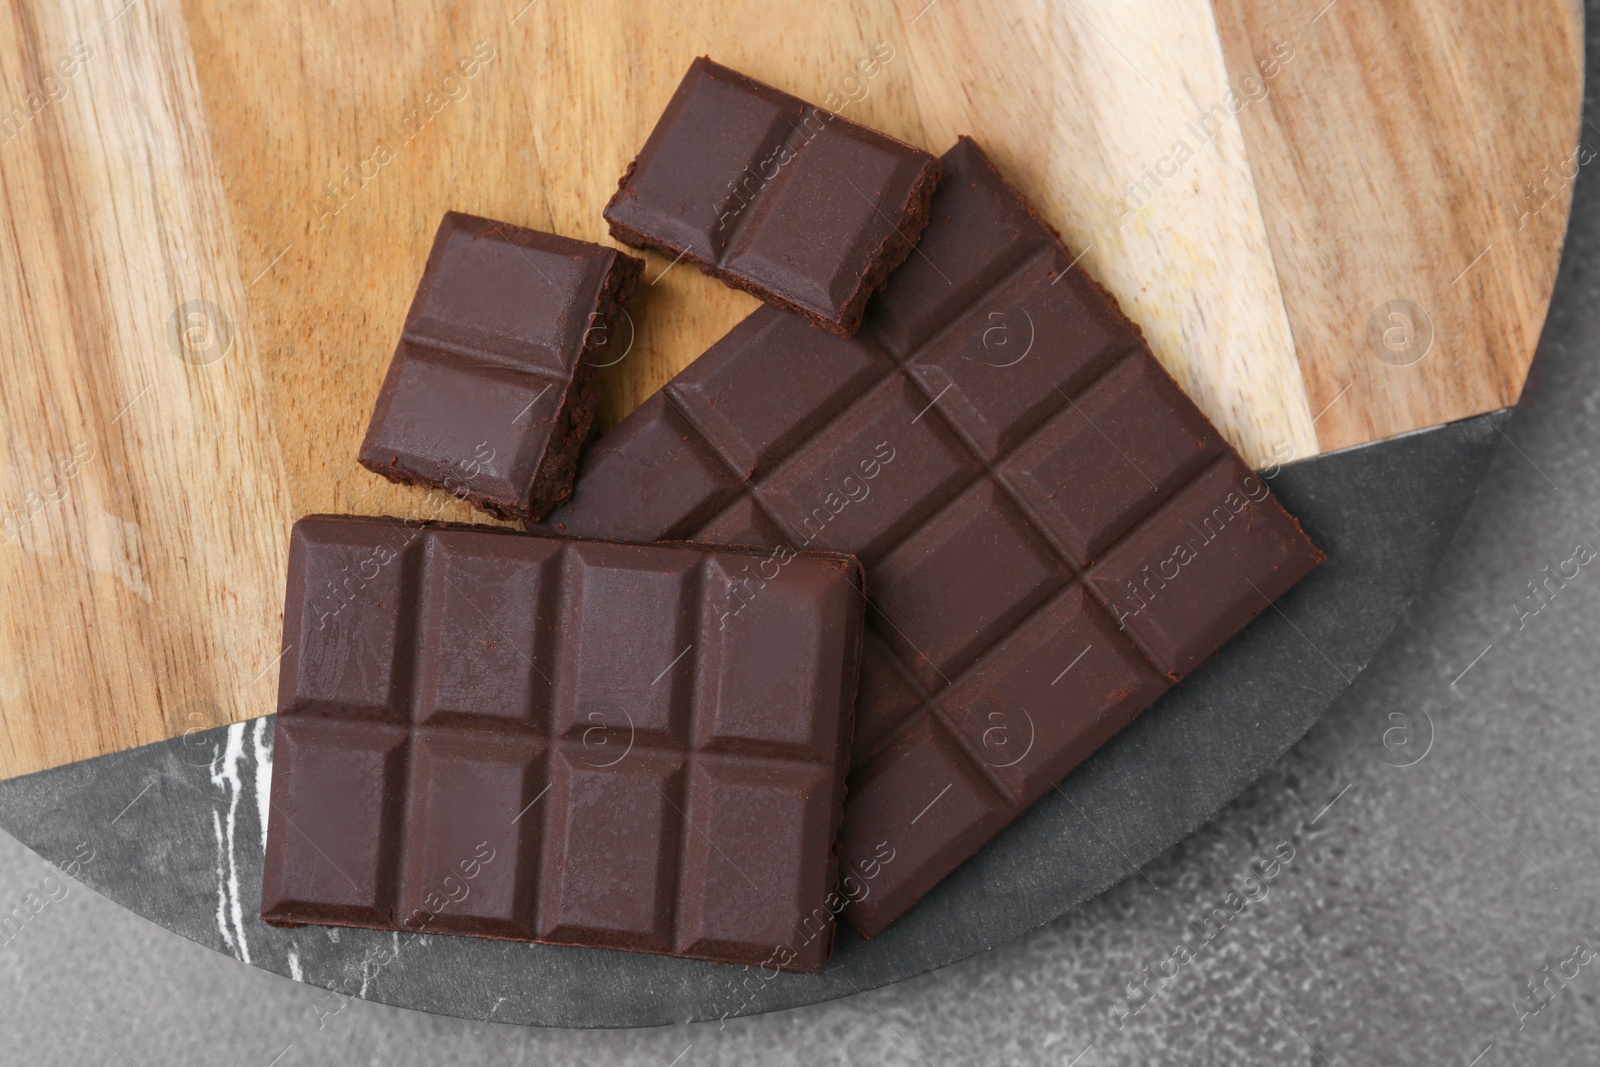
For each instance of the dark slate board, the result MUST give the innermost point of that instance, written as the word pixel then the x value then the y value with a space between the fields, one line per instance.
pixel 175 829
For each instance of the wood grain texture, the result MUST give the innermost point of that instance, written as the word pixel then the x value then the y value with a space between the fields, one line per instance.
pixel 1414 151
pixel 287 162
pixel 145 498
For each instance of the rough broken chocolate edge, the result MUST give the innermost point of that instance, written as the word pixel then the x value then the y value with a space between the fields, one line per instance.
pixel 896 245
pixel 552 482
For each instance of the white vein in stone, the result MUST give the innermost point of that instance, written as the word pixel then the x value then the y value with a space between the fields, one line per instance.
pixel 225 775
pixel 222 884
pixel 263 754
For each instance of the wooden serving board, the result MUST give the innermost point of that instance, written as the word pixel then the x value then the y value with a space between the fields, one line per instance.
pixel 215 214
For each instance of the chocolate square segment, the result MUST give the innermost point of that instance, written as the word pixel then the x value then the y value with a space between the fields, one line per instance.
pixel 579 742
pixel 477 865
pixel 623 675
pixel 761 426
pixel 763 619
pixel 1120 447
pixel 923 805
pixel 1035 707
pixel 747 896
pixel 1215 551
pixel 807 210
pixel 341 644
pixel 612 851
pixel 335 806
pixel 491 390
pixel 979 561
pixel 1053 532
pixel 870 475
pixel 474 667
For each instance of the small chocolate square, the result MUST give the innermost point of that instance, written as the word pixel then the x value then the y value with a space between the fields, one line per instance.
pixel 491 390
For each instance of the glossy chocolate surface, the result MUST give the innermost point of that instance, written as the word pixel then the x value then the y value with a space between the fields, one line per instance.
pixel 793 203
pixel 1052 532
pixel 543 739
pixel 490 394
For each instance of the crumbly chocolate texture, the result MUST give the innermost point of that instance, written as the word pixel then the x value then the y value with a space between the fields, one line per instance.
pixel 789 202
pixel 1052 532
pixel 490 394
pixel 489 733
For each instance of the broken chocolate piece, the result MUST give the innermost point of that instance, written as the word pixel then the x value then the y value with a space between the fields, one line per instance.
pixel 490 394
pixel 807 210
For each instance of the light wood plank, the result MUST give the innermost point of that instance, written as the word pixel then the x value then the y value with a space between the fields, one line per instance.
pixel 138 591
pixel 1393 165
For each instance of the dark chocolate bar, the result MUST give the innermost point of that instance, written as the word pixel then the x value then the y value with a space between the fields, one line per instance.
pixel 491 390
pixel 1052 532
pixel 807 210
pixel 486 732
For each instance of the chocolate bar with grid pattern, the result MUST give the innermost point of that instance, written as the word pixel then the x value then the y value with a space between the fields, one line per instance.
pixel 1052 532
pixel 486 732
pixel 807 210
pixel 490 393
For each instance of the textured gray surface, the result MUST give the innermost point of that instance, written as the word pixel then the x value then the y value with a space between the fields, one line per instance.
pixel 1406 929
pixel 176 827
